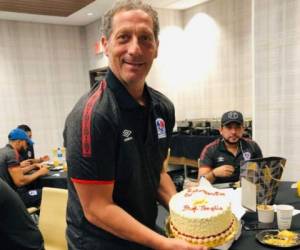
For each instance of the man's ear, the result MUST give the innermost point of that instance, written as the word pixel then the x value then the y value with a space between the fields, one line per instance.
pixel 220 130
pixel 104 44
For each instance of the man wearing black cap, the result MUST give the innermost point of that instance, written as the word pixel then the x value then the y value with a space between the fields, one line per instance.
pixel 16 176
pixel 221 159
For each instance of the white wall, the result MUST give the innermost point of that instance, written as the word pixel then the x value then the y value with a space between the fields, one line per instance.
pixel 43 71
pixel 204 60
pixel 93 34
pixel 218 35
pixel 277 77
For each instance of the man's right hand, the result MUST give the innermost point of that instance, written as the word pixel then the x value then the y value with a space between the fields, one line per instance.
pixel 223 171
pixel 26 163
pixel 172 244
pixel 43 171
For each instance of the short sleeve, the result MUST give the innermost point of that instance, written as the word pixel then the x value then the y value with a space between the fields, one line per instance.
pixel 257 150
pixel 101 163
pixel 12 158
pixel 206 157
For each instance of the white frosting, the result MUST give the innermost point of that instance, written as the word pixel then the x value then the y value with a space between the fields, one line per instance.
pixel 200 212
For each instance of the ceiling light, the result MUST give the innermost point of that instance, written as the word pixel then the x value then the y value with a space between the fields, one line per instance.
pixel 90 14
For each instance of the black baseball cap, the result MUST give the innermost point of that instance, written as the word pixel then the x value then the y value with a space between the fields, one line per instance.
pixel 232 116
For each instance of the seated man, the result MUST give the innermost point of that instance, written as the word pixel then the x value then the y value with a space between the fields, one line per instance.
pixel 16 176
pixel 27 156
pixel 17 229
pixel 220 160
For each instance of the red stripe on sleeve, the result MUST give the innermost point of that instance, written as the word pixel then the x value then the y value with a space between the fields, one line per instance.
pixel 86 146
pixel 81 181
pixel 203 153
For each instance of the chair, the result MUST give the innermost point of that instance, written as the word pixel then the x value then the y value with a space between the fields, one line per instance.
pixel 34 213
pixel 185 162
pixel 52 221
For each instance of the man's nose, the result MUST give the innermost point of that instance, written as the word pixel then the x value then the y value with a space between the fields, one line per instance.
pixel 134 46
pixel 233 130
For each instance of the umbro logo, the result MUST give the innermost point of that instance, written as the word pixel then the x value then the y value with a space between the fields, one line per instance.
pixel 220 159
pixel 127 135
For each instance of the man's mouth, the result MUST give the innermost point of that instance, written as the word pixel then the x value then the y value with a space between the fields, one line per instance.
pixel 134 64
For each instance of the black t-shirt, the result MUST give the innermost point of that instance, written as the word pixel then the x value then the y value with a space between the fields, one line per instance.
pixel 111 138
pixel 9 157
pixel 215 155
pixel 17 229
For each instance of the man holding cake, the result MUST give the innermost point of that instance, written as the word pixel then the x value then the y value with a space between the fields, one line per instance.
pixel 117 139
pixel 220 160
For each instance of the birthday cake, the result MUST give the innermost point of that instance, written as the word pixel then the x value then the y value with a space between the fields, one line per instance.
pixel 202 215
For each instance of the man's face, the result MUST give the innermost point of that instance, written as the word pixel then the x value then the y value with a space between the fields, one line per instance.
pixel 232 132
pixel 131 47
pixel 29 133
pixel 22 145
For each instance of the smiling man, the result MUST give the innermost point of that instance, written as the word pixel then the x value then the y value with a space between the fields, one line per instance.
pixel 221 159
pixel 117 139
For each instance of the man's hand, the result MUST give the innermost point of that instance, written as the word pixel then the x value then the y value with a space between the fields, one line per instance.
pixel 43 171
pixel 172 244
pixel 45 158
pixel 26 163
pixel 223 171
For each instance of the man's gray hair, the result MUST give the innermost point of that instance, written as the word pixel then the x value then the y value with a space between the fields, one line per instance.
pixel 126 5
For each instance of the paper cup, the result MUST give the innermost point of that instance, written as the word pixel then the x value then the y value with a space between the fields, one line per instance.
pixel 284 216
pixel 265 213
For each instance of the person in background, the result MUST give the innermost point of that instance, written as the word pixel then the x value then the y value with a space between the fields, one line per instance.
pixel 17 229
pixel 27 156
pixel 220 160
pixel 19 178
pixel 117 139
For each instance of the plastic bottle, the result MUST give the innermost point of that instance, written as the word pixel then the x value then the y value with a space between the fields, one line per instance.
pixel 60 156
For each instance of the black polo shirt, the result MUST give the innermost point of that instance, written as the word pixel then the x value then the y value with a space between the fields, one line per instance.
pixel 110 138
pixel 17 229
pixel 215 155
pixel 9 157
pixel 27 154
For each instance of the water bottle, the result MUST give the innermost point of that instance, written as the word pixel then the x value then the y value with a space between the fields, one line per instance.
pixel 60 156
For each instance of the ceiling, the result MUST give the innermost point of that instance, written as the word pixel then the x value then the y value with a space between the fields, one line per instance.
pixel 72 12
pixel 50 8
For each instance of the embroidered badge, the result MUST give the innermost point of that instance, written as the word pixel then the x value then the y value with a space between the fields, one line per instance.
pixel 247 156
pixel 161 128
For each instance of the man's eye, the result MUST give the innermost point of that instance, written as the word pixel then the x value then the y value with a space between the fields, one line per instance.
pixel 146 38
pixel 123 38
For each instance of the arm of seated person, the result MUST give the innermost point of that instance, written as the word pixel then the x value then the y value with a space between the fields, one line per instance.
pixel 41 159
pixel 20 179
pixel 100 210
pixel 212 173
pixel 26 163
pixel 27 169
